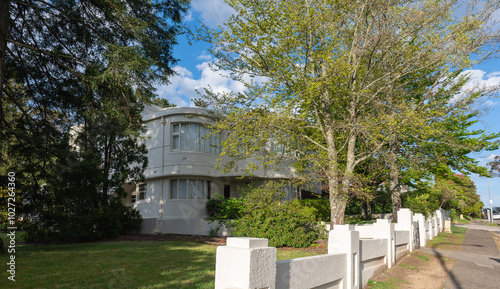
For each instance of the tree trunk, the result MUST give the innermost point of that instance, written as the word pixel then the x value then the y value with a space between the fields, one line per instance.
pixel 338 202
pixel 394 186
pixel 4 32
pixel 366 209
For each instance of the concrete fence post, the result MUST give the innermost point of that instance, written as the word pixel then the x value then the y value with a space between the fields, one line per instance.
pixel 385 230
pixel 405 223
pixel 342 240
pixel 434 221
pixel 245 263
pixel 431 227
pixel 440 215
pixel 421 228
pixel 428 233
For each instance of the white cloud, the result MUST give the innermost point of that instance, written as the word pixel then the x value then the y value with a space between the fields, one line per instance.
pixel 183 87
pixel 478 79
pixel 189 16
pixel 490 103
pixel 486 159
pixel 213 12
pixel 205 56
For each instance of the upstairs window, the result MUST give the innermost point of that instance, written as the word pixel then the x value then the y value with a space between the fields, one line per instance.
pixel 194 137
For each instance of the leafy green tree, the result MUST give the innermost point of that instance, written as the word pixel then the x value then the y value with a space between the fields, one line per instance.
pixel 163 102
pixel 74 76
pixel 452 192
pixel 322 75
pixel 436 142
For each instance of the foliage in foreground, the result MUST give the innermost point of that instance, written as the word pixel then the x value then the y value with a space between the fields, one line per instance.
pixel 223 210
pixel 74 78
pixel 285 223
pixel 108 220
pixel 358 79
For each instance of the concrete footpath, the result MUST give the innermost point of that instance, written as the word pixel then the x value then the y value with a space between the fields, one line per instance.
pixel 478 264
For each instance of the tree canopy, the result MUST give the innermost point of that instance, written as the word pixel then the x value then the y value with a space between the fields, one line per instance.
pixel 338 82
pixel 74 76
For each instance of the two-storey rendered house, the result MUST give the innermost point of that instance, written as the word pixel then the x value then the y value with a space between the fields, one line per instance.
pixel 181 174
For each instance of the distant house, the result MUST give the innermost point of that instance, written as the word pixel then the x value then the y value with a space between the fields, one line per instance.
pixel 181 174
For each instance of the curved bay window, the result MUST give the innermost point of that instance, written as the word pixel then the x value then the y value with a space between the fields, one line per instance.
pixel 194 137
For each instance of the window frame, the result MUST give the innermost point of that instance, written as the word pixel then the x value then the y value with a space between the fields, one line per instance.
pixel 184 139
pixel 188 184
pixel 140 189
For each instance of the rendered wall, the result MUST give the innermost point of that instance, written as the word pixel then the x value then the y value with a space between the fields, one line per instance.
pixel 182 216
pixel 351 260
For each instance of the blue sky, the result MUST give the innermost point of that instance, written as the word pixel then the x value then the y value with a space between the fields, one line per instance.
pixel 194 74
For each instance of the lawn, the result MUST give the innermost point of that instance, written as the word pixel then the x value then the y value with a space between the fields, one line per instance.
pixel 123 264
pixel 447 241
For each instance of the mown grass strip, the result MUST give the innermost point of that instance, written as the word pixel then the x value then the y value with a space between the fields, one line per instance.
pixel 447 241
pixel 124 264
pixel 391 283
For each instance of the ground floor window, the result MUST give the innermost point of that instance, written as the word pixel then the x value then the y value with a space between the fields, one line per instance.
pixel 290 191
pixel 182 189
pixel 140 193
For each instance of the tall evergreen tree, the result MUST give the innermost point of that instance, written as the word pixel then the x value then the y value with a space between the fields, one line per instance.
pixel 80 64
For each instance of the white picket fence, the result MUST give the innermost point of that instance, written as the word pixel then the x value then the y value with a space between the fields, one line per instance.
pixel 355 254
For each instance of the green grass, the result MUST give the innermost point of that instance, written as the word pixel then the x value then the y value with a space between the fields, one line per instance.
pixel 491 224
pixel 458 230
pixel 425 258
pixel 391 283
pixel 447 241
pixel 124 264
pixel 408 266
pixel 461 221
pixel 358 221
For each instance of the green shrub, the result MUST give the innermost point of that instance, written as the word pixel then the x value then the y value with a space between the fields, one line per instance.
pixel 96 223
pixel 321 208
pixel 284 223
pixel 223 209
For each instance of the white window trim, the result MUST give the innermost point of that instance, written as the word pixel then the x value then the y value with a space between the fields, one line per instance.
pixel 176 137
pixel 134 197
pixel 207 189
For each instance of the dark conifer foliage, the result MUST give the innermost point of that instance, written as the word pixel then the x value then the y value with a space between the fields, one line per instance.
pixel 74 76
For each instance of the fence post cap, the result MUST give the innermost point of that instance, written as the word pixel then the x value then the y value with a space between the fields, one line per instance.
pixel 245 242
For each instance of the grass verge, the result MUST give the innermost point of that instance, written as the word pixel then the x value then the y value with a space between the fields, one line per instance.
pixel 123 264
pixel 447 241
pixel 390 283
pixel 461 221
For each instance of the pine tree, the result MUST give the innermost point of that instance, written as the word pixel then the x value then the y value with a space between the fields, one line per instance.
pixel 76 75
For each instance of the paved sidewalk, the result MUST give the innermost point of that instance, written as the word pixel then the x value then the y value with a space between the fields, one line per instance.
pixel 478 264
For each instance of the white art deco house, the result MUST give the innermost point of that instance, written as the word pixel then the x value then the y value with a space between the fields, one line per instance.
pixel 181 174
